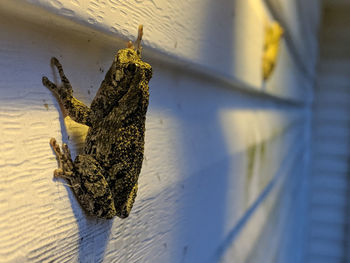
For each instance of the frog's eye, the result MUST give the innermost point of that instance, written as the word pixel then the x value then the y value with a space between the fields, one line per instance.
pixel 131 68
pixel 129 54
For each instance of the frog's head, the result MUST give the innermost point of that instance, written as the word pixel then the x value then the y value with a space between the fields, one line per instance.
pixel 128 61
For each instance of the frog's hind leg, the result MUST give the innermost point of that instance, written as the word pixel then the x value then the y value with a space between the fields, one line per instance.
pixel 94 193
pixel 85 176
pixel 124 188
pixel 65 163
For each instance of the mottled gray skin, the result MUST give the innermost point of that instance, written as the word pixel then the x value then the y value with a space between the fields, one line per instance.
pixel 104 178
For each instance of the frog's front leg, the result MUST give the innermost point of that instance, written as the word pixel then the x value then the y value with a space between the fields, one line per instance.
pixel 85 176
pixel 77 110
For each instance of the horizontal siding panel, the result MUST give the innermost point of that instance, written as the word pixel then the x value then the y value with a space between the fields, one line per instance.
pixel 320 258
pixel 330 198
pixel 334 66
pixel 336 81
pixel 327 247
pixel 341 139
pixel 327 231
pixel 331 122
pixel 341 159
pixel 324 123
pixel 332 148
pixel 332 94
pixel 336 52
pixel 334 114
pixel 336 84
pixel 338 134
pixel 336 18
pixel 331 165
pixel 333 48
pixel 333 103
pixel 328 214
pixel 330 181
pixel 332 130
pixel 331 108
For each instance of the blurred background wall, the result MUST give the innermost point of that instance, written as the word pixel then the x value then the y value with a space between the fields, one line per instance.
pixel 328 238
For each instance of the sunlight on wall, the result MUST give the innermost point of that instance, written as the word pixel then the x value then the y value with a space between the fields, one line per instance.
pixel 249 24
pixel 267 139
pixel 247 127
pixel 262 135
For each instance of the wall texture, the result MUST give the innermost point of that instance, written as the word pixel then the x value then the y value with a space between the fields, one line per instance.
pixel 328 236
pixel 226 155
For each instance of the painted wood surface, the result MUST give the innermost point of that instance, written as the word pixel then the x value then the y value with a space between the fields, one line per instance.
pixel 225 156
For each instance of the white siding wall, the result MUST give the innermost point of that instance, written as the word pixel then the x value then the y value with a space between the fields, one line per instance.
pixel 226 157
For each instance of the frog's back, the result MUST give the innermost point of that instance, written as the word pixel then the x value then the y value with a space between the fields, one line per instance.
pixel 119 138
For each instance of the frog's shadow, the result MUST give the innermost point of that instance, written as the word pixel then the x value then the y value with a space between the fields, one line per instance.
pixel 92 230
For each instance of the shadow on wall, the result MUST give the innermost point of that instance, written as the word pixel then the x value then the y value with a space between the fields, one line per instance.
pixel 206 160
pixel 93 232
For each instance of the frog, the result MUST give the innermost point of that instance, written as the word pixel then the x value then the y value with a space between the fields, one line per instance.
pixel 104 177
